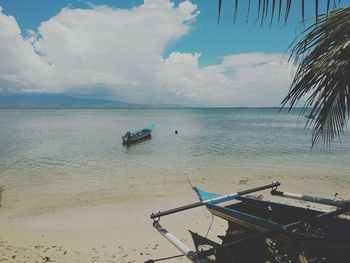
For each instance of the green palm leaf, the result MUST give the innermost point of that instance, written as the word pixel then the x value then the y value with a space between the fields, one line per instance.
pixel 267 7
pixel 322 56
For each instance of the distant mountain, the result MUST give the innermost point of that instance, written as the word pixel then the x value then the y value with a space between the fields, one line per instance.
pixel 56 101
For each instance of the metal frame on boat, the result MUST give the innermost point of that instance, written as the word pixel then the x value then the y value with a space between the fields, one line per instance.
pixel 265 231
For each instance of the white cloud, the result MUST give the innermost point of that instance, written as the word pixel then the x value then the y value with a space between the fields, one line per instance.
pixel 19 64
pixel 249 79
pixel 119 52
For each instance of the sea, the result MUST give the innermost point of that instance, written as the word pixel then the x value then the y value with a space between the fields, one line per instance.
pixel 56 158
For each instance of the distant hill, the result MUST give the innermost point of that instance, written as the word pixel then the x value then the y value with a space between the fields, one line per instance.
pixel 56 101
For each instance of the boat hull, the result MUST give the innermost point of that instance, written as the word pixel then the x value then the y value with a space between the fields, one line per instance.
pixel 137 137
pixel 329 241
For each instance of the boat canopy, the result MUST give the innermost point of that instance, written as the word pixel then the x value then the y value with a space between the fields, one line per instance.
pixel 204 196
pixel 150 127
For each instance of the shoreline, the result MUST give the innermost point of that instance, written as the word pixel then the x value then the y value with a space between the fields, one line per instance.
pixel 16 205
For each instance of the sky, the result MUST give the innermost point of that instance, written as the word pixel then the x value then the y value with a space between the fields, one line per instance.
pixel 149 52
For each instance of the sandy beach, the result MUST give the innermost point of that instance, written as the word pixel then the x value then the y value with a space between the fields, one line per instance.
pixel 119 232
pixel 122 231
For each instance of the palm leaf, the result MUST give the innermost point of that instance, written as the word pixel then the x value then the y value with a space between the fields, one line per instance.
pixel 322 57
pixel 263 12
pixel 328 6
pixel 303 10
pixel 219 9
pixel 272 11
pixel 263 9
pixel 235 11
pixel 279 10
pixel 289 3
pixel 259 7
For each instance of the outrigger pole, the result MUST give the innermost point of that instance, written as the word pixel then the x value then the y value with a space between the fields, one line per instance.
pixel 190 254
pixel 216 200
pixel 312 199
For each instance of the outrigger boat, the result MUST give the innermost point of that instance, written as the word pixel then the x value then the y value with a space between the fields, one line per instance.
pixel 131 137
pixel 262 231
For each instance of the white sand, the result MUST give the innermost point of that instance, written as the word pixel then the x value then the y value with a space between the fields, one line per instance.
pixel 122 231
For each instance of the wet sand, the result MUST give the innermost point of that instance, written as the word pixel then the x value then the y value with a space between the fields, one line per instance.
pixel 122 231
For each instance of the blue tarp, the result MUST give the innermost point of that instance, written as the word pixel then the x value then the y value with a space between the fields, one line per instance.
pixel 203 195
pixel 150 127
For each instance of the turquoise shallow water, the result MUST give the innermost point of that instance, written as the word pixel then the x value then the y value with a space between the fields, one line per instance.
pixel 71 155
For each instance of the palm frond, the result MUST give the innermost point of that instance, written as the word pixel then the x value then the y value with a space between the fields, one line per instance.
pixel 279 10
pixel 235 11
pixel 322 57
pixel 303 10
pixel 219 9
pixel 272 11
pixel 328 6
pixel 289 3
pixel 263 7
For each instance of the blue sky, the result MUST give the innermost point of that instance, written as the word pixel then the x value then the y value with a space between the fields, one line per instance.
pixel 203 47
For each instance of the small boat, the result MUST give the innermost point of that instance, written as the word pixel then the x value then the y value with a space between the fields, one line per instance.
pixel 131 137
pixel 262 231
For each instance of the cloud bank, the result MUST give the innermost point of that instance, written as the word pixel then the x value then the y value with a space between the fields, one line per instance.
pixel 118 53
